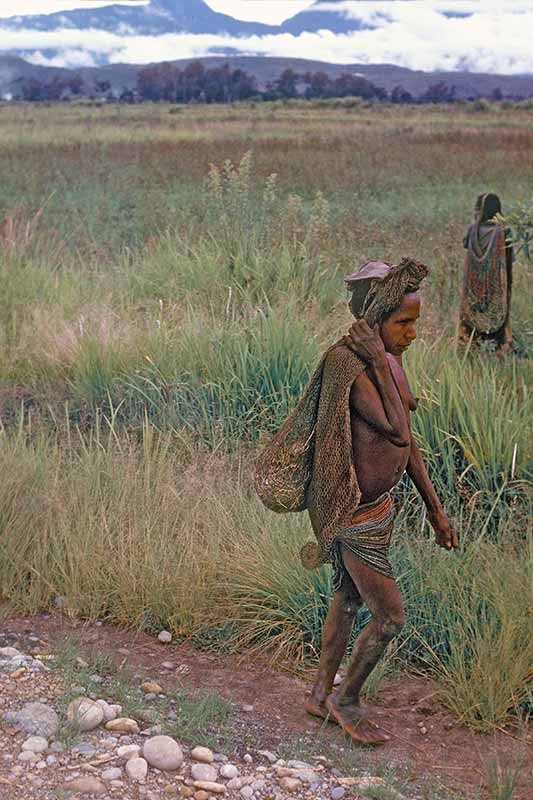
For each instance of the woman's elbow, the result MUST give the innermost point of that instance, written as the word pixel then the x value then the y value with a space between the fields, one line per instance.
pixel 399 438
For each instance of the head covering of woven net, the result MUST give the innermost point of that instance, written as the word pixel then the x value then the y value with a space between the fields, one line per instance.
pixel 378 287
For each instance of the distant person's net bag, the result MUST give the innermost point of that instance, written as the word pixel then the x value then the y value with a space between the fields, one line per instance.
pixel 309 462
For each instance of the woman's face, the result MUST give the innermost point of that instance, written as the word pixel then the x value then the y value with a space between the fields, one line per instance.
pixel 398 331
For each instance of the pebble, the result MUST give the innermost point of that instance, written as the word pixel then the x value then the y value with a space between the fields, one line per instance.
pixel 35 743
pixel 122 725
pixel 203 754
pixel 37 719
pixel 307 776
pixel 27 756
pixel 51 760
pixel 128 751
pixel 210 786
pixel 235 783
pixel 84 749
pixel 10 652
pixel 201 795
pixel 204 772
pixel 111 774
pixel 247 758
pixel 111 710
pixel 229 771
pixel 271 757
pixel 247 792
pixel 167 665
pixel 337 793
pixel 295 764
pixel 163 753
pixel 85 713
pixel 151 687
pixel 136 769
pixel 290 784
pixel 165 637
pixel 86 785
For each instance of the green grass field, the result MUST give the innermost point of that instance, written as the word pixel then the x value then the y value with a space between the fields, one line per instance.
pixel 169 279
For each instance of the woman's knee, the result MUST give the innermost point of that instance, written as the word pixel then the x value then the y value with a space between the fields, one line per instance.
pixel 391 624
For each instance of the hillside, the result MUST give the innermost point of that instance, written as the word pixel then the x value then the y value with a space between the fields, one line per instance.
pixel 13 70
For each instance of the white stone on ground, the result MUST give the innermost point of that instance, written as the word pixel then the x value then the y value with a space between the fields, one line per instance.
pixel 295 764
pixel 204 772
pixel 110 711
pixel 86 785
pixel 37 719
pixel 337 793
pixel 271 757
pixel 229 771
pixel 128 751
pixel 165 637
pixel 85 713
pixel 27 756
pixel 10 652
pixel 136 769
pixel 202 754
pixel 163 753
pixel 111 774
pixel 290 784
pixel 35 743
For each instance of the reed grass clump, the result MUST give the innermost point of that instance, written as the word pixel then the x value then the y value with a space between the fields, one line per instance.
pixel 159 319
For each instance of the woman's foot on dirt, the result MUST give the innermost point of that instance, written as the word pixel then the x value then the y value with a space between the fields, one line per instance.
pixel 317 708
pixel 355 723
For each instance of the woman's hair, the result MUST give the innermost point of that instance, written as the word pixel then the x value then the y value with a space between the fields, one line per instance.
pixel 487 206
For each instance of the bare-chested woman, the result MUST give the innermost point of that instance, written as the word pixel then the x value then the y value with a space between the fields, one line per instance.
pixel 382 449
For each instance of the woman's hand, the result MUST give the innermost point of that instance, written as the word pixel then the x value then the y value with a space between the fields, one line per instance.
pixel 365 342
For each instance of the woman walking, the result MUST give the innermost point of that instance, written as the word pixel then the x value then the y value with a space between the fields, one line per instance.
pixel 485 304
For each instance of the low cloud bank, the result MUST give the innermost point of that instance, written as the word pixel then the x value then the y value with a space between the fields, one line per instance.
pixel 492 39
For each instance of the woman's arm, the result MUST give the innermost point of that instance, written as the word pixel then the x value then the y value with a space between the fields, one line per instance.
pixel 445 535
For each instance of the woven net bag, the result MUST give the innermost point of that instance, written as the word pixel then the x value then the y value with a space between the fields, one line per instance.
pixel 283 469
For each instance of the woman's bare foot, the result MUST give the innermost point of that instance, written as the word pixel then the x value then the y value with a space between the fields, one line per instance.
pixel 316 708
pixel 353 721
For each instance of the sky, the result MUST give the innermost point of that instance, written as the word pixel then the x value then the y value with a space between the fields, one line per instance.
pixel 494 36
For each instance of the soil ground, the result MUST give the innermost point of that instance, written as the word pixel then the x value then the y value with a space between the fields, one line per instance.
pixel 271 702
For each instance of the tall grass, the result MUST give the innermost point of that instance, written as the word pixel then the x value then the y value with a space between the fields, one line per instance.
pixel 169 282
pixel 157 532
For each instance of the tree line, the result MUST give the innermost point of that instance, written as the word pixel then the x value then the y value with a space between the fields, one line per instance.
pixel 221 84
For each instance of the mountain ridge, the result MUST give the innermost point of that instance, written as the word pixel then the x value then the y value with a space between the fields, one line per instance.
pixel 180 16
pixel 14 69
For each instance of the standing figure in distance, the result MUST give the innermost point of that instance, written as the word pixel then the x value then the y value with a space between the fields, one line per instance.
pixel 363 445
pixel 486 300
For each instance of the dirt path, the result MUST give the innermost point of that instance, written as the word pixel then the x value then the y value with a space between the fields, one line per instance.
pixel 427 745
